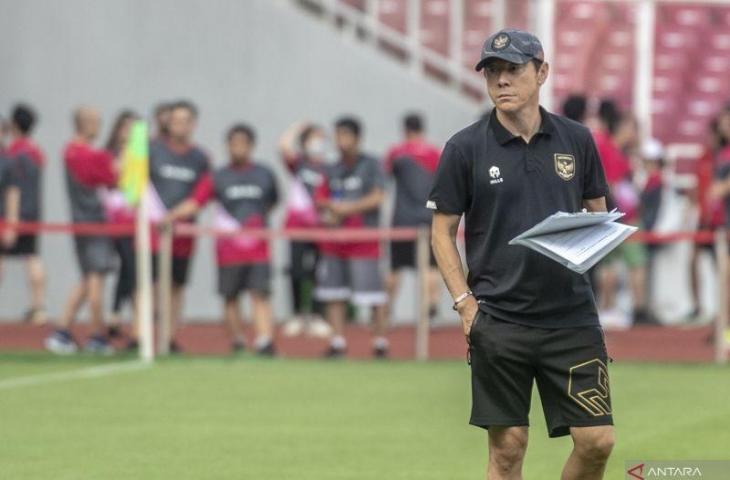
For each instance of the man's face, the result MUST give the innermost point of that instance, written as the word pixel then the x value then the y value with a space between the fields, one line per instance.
pixel 163 121
pixel 181 124
pixel 511 86
pixel 239 148
pixel 346 140
pixel 89 124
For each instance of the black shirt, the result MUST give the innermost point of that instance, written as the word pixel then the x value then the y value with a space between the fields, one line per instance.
pixel 504 186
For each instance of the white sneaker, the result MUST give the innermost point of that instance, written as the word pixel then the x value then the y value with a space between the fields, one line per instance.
pixel 293 327
pixel 318 328
pixel 60 344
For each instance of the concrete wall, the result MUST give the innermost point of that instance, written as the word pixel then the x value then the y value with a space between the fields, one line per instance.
pixel 261 61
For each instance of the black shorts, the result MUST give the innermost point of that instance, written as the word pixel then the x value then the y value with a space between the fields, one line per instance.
pixel 94 254
pixel 235 279
pixel 403 255
pixel 24 245
pixel 180 270
pixel 569 366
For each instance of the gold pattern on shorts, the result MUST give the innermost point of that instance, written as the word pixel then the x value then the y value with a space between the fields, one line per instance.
pixel 596 399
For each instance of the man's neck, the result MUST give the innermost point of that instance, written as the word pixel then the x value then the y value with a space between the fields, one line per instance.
pixel 240 162
pixel 524 123
pixel 179 142
pixel 78 138
pixel 350 157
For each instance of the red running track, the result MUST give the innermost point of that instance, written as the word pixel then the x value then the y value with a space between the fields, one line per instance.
pixel 643 343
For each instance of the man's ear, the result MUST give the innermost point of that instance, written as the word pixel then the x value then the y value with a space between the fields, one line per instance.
pixel 542 73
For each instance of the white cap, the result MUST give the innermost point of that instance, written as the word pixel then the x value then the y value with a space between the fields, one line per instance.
pixel 652 149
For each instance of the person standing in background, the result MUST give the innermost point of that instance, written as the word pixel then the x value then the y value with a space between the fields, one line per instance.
pixel 616 141
pixel 177 165
pixel 119 212
pixel 29 162
pixel 351 198
pixel 88 170
pixel 412 164
pixel 9 195
pixel 245 193
pixel 710 209
pixel 303 147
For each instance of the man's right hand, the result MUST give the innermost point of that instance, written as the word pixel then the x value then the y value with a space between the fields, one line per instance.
pixel 468 309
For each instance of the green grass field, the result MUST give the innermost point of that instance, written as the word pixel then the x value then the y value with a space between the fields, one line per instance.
pixel 245 418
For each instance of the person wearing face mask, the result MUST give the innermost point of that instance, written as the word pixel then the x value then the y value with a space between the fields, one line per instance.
pixel 245 192
pixel 303 148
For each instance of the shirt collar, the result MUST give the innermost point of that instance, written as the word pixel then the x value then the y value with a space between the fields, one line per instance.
pixel 504 136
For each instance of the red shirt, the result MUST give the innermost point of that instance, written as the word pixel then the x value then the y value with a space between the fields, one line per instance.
pixel 24 145
pixel 616 165
pixel 425 154
pixel 89 166
pixel 711 211
pixel 239 248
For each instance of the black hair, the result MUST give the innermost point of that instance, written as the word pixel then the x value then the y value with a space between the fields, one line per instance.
pixel 24 118
pixel 575 106
pixel 185 104
pixel 307 132
pixel 609 114
pixel 112 143
pixel 413 122
pixel 349 123
pixel 243 129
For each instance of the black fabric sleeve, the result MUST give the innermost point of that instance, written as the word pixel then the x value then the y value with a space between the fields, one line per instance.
pixel 594 179
pixel 723 171
pixel 451 191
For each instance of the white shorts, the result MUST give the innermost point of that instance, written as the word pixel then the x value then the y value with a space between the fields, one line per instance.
pixel 355 279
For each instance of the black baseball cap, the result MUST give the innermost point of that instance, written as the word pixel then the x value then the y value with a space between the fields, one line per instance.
pixel 511 45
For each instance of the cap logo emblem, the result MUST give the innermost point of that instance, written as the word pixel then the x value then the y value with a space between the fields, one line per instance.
pixel 500 42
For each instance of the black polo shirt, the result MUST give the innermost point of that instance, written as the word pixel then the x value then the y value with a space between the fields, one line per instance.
pixel 504 186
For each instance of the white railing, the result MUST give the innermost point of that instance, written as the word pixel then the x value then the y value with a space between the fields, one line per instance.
pixel 373 32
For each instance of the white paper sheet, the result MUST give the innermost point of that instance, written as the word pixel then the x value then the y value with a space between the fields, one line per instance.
pixel 577 240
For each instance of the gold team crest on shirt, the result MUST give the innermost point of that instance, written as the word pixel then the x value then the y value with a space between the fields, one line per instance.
pixel 564 165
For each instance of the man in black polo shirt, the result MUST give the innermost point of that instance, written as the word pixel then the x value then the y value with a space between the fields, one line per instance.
pixel 526 317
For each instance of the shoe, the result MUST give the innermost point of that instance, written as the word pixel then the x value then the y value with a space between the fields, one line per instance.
pixel 175 347
pixel 335 353
pixel 132 346
pixel 98 345
pixel 114 331
pixel 318 328
pixel 644 317
pixel 380 352
pixel 238 347
pixel 293 327
pixel 61 342
pixel 267 350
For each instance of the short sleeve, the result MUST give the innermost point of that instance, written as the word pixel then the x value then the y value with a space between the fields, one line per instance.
pixel 379 179
pixel 451 191
pixel 273 197
pixel 594 179
pixel 203 191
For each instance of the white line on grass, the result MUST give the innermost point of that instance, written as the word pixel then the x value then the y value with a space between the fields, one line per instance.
pixel 89 372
